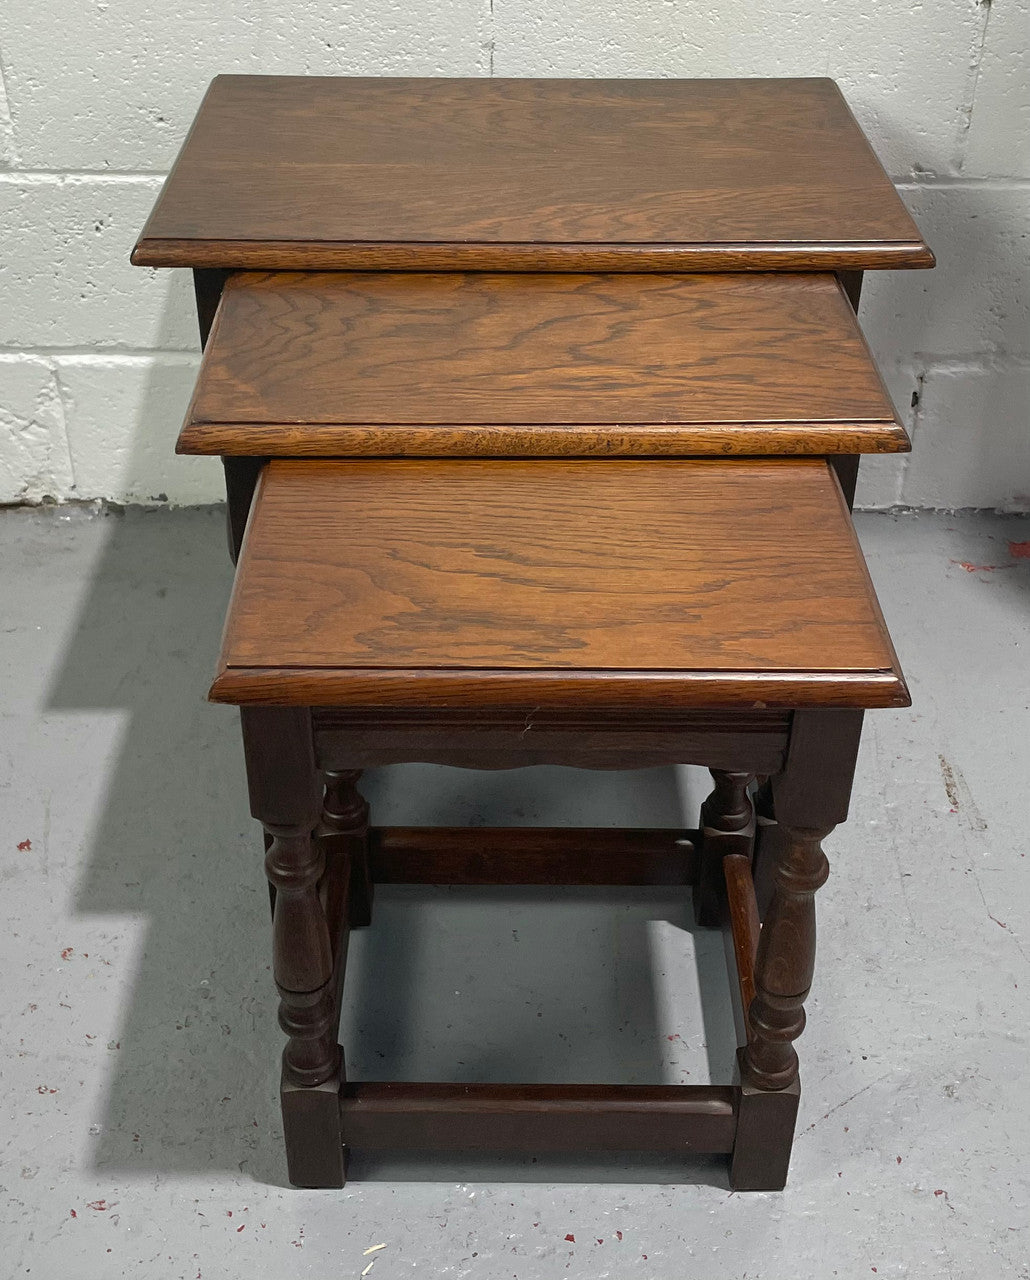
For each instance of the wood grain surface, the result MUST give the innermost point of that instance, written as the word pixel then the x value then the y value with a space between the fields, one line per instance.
pixel 309 172
pixel 554 583
pixel 346 364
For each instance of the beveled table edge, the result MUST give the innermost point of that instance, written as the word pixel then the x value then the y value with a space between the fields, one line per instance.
pixel 485 687
pixel 529 440
pixel 294 255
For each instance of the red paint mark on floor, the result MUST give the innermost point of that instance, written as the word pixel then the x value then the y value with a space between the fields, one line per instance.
pixel 67 952
pixel 101 1206
pixel 600 1240
pixel 675 1037
pixel 42 1088
pixel 74 1214
pixel 618 1235
pixel 1017 550
pixel 974 568
pixel 1001 925
pixel 571 1238
pixel 240 1227
pixel 899 1159
pixel 940 1193
pixel 26 845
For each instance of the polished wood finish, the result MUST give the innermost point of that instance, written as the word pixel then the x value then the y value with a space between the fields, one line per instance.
pixel 742 929
pixel 809 795
pixel 344 831
pixel 285 798
pixel 764 1137
pixel 607 616
pixel 685 1119
pixel 351 364
pixel 312 173
pixel 532 855
pixel 364 686
pixel 604 739
pixel 727 828
pixel 752 1122
pixel 470 583
pixel 785 962
pixel 241 473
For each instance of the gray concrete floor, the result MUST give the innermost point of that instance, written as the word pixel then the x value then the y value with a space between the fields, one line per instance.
pixel 139 1045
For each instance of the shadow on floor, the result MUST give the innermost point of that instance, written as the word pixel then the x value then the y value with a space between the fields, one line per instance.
pixel 194 1083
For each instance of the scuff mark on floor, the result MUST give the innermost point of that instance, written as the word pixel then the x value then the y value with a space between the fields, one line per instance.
pixel 959 796
pixel 857 1094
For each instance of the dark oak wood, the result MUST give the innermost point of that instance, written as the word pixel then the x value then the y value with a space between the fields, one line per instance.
pixel 727 829
pixel 207 292
pixel 313 1135
pixel 285 798
pixel 809 796
pixel 688 1119
pixel 241 473
pixel 768 846
pixel 764 1136
pixel 241 477
pixel 547 584
pixel 785 962
pixel 845 467
pixel 344 832
pixel 606 739
pixel 490 174
pixel 823 747
pixel 532 855
pixel 350 364
pixel 851 283
pixel 742 928
pixel 770 970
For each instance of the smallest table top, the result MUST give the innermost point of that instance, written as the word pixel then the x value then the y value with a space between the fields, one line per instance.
pixel 617 584
pixel 316 173
pixel 350 363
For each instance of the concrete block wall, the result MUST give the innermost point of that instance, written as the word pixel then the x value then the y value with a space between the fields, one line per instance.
pixel 97 358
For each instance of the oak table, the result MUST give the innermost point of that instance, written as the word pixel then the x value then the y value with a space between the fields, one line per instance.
pixel 396 174
pixel 564 318
pixel 459 612
pixel 463 364
pixel 312 173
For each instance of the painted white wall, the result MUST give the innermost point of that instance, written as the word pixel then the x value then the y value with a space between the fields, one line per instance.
pixel 97 357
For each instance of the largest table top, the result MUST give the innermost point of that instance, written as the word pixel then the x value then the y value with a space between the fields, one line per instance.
pixel 306 172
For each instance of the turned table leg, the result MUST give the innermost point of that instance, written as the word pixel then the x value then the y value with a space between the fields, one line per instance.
pixel 285 796
pixel 809 798
pixel 344 834
pixel 727 827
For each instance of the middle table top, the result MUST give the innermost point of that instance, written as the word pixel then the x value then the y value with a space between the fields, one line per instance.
pixel 461 364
